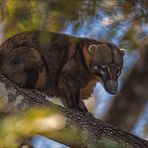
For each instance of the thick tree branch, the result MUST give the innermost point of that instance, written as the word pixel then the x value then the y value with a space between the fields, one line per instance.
pixel 87 130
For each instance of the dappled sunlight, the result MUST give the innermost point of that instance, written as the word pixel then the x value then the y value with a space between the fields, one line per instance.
pixel 50 123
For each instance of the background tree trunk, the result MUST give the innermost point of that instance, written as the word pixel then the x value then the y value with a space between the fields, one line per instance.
pixel 128 104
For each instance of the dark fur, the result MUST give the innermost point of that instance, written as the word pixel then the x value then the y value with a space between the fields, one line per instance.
pixel 53 63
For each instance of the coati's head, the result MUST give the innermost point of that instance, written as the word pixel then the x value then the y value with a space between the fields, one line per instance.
pixel 105 61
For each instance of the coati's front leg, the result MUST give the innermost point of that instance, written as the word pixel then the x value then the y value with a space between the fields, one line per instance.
pixel 69 90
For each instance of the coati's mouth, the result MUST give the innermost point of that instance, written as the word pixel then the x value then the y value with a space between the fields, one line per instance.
pixel 111 87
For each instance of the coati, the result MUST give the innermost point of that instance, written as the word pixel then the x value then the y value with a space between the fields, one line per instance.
pixel 61 65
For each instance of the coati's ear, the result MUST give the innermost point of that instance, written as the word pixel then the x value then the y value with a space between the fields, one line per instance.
pixel 92 48
pixel 87 53
pixel 123 51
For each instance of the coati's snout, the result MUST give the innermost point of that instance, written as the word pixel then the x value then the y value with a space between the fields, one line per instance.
pixel 106 64
pixel 111 86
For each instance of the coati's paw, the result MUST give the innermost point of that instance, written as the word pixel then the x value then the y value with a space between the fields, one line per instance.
pixel 83 109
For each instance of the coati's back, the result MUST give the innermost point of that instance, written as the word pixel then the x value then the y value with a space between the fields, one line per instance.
pixel 45 42
pixel 55 49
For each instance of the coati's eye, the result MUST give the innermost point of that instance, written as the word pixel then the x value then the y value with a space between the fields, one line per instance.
pixel 102 72
pixel 118 71
pixel 95 67
pixel 103 69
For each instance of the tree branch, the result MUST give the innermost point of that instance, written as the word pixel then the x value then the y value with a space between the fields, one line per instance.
pixel 87 131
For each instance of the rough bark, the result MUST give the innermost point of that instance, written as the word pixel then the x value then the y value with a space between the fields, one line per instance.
pixel 91 132
pixel 128 104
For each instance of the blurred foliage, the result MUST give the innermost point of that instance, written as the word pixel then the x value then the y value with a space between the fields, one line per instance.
pixel 15 127
pixel 56 15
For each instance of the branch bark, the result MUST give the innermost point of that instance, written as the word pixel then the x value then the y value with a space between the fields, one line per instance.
pixel 88 131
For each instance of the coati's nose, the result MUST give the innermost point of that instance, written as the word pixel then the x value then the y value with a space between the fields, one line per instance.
pixel 111 87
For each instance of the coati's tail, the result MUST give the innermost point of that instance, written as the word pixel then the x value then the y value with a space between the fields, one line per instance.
pixel 24 66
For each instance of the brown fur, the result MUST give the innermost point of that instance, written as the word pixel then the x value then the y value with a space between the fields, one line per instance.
pixel 86 55
pixel 42 79
pixel 58 65
pixel 88 89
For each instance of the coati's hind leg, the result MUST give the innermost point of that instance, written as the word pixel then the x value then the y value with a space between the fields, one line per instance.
pixel 25 67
